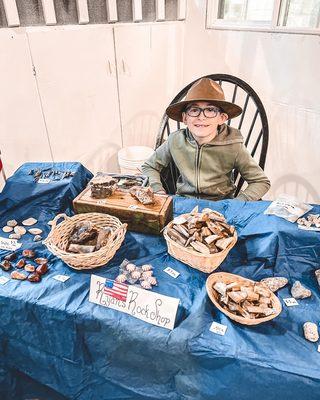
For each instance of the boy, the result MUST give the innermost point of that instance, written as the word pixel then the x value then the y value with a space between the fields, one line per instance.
pixel 208 150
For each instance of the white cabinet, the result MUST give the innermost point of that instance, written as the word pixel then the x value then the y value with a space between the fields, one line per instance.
pixel 149 61
pixel 22 131
pixel 78 88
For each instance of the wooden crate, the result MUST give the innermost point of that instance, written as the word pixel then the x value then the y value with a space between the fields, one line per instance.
pixel 140 218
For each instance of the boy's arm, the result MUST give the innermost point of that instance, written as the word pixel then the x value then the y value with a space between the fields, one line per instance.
pixel 155 164
pixel 252 173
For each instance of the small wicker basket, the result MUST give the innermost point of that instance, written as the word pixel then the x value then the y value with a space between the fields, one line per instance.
pixel 229 278
pixel 57 240
pixel 202 262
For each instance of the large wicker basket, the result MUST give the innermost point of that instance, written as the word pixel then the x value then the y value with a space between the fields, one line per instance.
pixel 57 240
pixel 202 262
pixel 229 278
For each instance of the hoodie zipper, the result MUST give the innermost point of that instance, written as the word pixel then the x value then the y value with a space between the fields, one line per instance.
pixel 198 155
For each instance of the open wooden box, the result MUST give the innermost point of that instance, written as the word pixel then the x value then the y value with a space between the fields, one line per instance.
pixel 140 218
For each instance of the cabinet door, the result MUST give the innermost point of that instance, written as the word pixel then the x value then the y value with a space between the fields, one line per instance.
pixel 22 131
pixel 149 61
pixel 78 87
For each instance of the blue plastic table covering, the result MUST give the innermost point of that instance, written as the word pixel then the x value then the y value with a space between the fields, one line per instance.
pixel 56 344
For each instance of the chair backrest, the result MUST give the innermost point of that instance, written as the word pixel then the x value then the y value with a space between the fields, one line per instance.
pixel 253 124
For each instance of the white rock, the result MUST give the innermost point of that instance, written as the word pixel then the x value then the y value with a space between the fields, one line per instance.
pixel 7 229
pixel 37 238
pixel 15 236
pixel 298 291
pixel 35 231
pixel 275 283
pixel 12 223
pixel 29 221
pixel 20 230
pixel 310 330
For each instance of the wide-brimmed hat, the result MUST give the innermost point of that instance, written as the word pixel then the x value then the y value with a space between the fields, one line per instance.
pixel 205 89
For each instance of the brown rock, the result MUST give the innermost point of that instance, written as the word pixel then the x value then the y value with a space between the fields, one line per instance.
pixel 18 275
pixel 28 253
pixel 34 278
pixel 6 265
pixel 42 269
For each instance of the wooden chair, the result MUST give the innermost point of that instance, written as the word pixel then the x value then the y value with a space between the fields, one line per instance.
pixel 253 124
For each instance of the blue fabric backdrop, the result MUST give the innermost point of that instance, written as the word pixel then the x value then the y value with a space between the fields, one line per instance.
pixel 56 345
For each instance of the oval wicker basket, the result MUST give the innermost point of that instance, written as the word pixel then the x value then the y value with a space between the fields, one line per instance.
pixel 229 278
pixel 202 262
pixel 57 240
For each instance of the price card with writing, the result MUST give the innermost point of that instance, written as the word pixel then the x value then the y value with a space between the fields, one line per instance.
pixel 217 328
pixel 9 244
pixel 290 302
pixel 4 280
pixel 172 272
pixel 151 307
pixel 61 278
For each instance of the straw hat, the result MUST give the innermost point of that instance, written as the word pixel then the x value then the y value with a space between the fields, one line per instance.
pixel 205 89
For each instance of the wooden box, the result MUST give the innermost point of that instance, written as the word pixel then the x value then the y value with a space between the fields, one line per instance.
pixel 140 218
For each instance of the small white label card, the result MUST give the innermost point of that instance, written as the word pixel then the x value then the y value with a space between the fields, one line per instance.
pixel 61 278
pixel 3 280
pixel 217 328
pixel 133 207
pixel 44 180
pixel 9 244
pixel 148 306
pixel 318 348
pixel 172 272
pixel 101 202
pixel 290 302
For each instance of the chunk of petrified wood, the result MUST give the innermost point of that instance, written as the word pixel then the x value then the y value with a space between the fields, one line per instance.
pixel 275 283
pixel 144 195
pixel 83 232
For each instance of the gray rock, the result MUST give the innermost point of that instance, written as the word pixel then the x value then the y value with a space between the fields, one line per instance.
pixel 298 291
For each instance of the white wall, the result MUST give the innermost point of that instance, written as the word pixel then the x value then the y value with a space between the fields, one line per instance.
pixel 284 69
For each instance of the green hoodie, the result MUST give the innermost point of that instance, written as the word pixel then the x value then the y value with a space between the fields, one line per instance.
pixel 206 170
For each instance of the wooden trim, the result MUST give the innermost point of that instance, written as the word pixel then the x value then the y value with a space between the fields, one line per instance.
pixel 182 10
pixel 137 10
pixel 112 12
pixel 160 10
pixel 49 12
pixel 83 12
pixel 10 8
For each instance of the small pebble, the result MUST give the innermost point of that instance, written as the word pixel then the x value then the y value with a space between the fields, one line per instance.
pixel 34 278
pixel 21 263
pixel 14 236
pixel 29 268
pixel 10 257
pixel 7 229
pixel 42 269
pixel 310 331
pixel 12 223
pixel 35 231
pixel 20 230
pixel 5 265
pixel 29 221
pixel 37 238
pixel 18 275
pixel 40 260
pixel 28 253
pixel 298 291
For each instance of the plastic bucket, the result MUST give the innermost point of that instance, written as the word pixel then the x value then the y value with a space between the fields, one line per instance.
pixel 131 158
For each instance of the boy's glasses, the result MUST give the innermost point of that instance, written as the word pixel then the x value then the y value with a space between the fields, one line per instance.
pixel 209 112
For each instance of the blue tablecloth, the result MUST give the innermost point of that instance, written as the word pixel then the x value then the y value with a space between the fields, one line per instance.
pixel 57 345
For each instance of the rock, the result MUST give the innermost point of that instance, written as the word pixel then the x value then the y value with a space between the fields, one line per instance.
pixel 275 283
pixel 18 275
pixel 317 273
pixel 14 236
pixel 20 230
pixel 10 257
pixel 35 231
pixel 221 288
pixel 42 269
pixel 5 265
pixel 29 268
pixel 12 223
pixel 21 263
pixel 310 331
pixel 34 278
pixel 7 229
pixel 37 238
pixel 29 221
pixel 41 260
pixel 298 291
pixel 28 253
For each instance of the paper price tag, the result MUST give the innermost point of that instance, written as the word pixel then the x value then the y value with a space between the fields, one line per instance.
pixel 290 302
pixel 61 278
pixel 3 280
pixel 101 202
pixel 133 207
pixel 9 244
pixel 218 329
pixel 44 180
pixel 172 272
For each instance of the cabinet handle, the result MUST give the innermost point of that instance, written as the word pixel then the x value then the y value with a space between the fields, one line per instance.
pixel 110 70
pixel 123 67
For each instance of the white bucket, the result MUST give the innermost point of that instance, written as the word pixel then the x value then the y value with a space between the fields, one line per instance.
pixel 131 158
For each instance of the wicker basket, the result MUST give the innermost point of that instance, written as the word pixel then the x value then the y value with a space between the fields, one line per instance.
pixel 57 240
pixel 229 278
pixel 202 262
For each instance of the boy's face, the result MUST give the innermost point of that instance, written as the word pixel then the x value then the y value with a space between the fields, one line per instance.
pixel 203 129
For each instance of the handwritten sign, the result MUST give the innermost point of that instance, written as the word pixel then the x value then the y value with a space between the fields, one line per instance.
pixel 218 329
pixel 4 280
pixel 61 278
pixel 150 307
pixel 9 244
pixel 172 272
pixel 290 302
